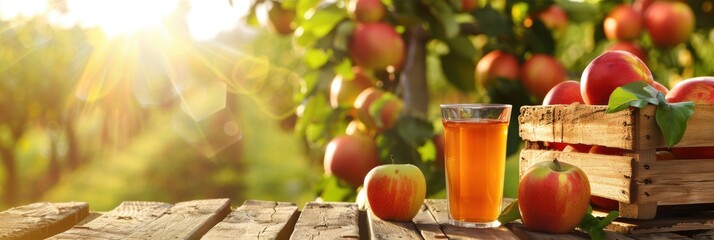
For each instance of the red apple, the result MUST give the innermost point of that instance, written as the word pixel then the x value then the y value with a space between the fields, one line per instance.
pixel 496 64
pixel 581 148
pixel 468 5
pixel 387 107
pixel 629 47
pixel 351 157
pixel 356 127
pixel 669 23
pixel 665 155
pixel 641 5
pixel 623 23
pixel 395 192
pixel 554 18
pixel 367 11
pixel 553 197
pixel 542 72
pixel 566 92
pixel 375 46
pixel 344 92
pixel 608 71
pixel 697 90
pixel 693 152
pixel 281 19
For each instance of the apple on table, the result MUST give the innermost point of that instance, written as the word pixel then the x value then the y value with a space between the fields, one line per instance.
pixel 553 197
pixel 395 192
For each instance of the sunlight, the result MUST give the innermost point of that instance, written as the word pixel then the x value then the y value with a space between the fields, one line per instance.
pixel 120 17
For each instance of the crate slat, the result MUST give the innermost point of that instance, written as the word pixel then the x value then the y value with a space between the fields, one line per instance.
pixel 41 220
pixel 578 123
pixel 327 221
pixel 257 220
pixel 676 182
pixel 185 220
pixel 119 222
pixel 427 225
pixel 380 229
pixel 609 176
pixel 439 210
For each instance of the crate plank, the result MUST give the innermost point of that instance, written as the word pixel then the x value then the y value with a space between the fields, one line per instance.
pixel 673 224
pixel 381 229
pixel 185 220
pixel 427 225
pixel 577 123
pixel 119 222
pixel 327 221
pixel 41 220
pixel 438 208
pixel 257 220
pixel 676 182
pixel 524 234
pixel 610 176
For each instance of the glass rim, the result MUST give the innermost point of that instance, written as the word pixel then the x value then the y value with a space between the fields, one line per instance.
pixel 475 105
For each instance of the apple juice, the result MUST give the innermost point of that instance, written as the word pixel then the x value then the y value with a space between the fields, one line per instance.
pixel 475 159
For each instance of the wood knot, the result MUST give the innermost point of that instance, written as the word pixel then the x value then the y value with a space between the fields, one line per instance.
pixel 647 194
pixel 646 166
pixel 648 181
pixel 648 137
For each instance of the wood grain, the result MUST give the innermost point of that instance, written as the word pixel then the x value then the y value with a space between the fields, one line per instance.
pixel 185 220
pixel 426 224
pixel 577 123
pixel 438 209
pixel 41 220
pixel 381 229
pixel 524 234
pixel 609 176
pixel 256 220
pixel 327 221
pixel 118 223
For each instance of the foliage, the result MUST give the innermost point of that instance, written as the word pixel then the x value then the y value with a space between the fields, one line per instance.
pixel 454 41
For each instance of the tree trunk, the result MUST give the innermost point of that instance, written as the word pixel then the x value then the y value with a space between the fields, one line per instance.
pixel 413 78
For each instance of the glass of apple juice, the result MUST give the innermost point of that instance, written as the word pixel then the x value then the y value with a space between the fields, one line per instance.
pixel 475 159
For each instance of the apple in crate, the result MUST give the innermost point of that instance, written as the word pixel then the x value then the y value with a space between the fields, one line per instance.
pixel 553 197
pixel 395 192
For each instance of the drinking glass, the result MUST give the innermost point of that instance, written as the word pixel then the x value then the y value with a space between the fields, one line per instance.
pixel 475 159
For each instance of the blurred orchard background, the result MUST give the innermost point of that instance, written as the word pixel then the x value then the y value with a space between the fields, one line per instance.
pixel 106 101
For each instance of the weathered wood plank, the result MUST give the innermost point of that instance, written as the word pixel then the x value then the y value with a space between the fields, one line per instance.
pixel 427 225
pixel 41 220
pixel 438 208
pixel 381 229
pixel 519 230
pixel 327 221
pixel 676 182
pixel 256 220
pixel 578 123
pixel 119 223
pixel 674 224
pixel 610 176
pixel 186 220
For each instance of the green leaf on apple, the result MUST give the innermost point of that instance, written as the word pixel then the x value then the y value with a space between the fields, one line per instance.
pixel 671 117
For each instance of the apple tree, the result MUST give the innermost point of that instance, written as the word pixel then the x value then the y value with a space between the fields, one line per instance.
pixel 379 68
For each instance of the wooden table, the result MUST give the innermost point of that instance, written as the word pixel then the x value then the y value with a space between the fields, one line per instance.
pixel 214 219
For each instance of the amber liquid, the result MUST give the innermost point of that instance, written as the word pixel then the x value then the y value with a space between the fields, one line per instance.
pixel 475 153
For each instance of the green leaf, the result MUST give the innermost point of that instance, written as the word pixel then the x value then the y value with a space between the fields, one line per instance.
pixel 344 69
pixel 415 131
pixel 491 21
pixel 637 94
pixel 510 213
pixel 320 23
pixel 375 109
pixel 462 46
pixel 608 219
pixel 459 71
pixel 315 58
pixel 444 14
pixel 672 119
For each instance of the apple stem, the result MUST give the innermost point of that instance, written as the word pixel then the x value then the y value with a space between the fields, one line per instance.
pixel 557 165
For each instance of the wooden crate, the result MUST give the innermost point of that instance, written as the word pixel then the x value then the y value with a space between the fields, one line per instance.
pixel 637 180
